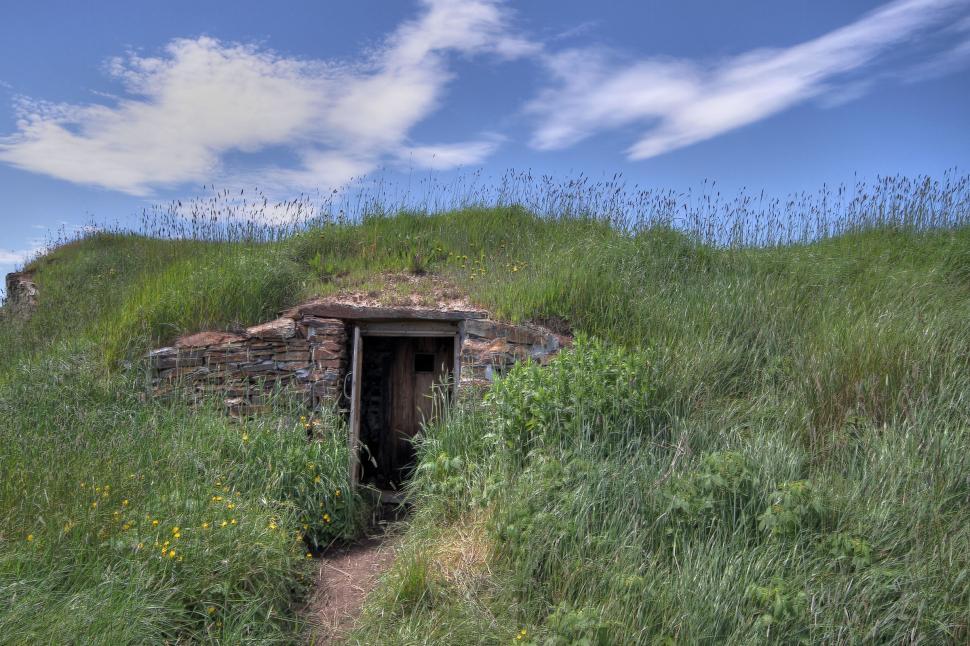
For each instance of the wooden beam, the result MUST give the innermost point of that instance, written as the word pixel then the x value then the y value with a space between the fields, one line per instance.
pixel 353 437
pixel 409 328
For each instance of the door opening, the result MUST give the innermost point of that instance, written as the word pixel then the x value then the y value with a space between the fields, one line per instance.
pixel 401 384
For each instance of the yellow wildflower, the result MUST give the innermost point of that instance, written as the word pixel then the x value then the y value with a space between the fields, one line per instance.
pixel 205 525
pixel 171 554
pixel 317 480
pixel 231 506
pixel 216 498
pixel 154 523
pixel 245 437
pixel 232 522
pixel 272 525
pixel 175 530
pixel 211 610
pixel 124 503
pixel 94 505
pixel 309 556
pixel 337 493
pixel 141 545
pixel 223 524
pixel 30 538
pixel 326 518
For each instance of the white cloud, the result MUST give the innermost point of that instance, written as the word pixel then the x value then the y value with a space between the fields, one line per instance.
pixel 10 257
pixel 444 156
pixel 183 111
pixel 684 102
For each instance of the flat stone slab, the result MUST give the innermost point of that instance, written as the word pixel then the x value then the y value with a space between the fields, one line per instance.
pixel 348 312
pixel 203 339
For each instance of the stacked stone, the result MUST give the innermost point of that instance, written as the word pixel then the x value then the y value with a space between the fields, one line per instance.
pixel 308 357
pixel 328 354
pixel 21 293
pixel 490 348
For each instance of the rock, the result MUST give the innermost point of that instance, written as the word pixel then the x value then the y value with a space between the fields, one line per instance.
pixel 205 339
pixel 281 328
pixel 21 293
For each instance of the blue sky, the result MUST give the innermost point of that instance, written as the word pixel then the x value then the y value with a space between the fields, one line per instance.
pixel 108 107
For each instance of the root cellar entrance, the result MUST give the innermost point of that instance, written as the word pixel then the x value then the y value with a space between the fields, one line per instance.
pixel 402 375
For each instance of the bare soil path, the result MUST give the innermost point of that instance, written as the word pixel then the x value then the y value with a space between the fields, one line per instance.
pixel 344 578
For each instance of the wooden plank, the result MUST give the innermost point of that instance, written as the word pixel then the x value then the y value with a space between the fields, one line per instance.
pixel 409 328
pixel 325 309
pixel 456 357
pixel 353 437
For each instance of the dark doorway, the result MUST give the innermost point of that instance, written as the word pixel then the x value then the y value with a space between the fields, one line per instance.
pixel 400 387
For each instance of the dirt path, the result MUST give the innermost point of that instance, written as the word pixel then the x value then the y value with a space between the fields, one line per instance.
pixel 344 578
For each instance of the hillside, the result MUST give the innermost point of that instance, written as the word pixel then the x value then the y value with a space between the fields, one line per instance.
pixel 746 443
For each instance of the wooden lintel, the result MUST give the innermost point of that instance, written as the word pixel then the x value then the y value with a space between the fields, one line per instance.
pixel 409 328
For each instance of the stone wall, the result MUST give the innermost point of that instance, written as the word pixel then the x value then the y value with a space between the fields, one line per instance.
pixel 308 354
pixel 490 348
pixel 21 295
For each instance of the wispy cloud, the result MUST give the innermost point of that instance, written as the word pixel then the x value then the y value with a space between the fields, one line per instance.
pixel 681 102
pixel 12 257
pixel 182 112
pixel 444 156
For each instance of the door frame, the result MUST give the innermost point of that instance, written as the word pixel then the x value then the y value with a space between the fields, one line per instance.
pixel 412 328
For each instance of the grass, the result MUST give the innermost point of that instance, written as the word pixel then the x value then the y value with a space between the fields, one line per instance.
pixel 750 442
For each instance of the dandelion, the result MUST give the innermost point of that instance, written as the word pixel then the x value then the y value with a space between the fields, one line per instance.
pixel 205 525
pixel 94 505
pixel 175 530
pixel 232 521
pixel 231 506
pixel 30 538
pixel 223 524
pixel 155 523
pixel 309 556
pixel 140 545
pixel 171 554
pixel 211 610
pixel 337 493
pixel 326 518
pixel 124 503
pixel 216 498
pixel 272 525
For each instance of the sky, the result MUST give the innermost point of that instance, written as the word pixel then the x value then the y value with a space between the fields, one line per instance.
pixel 107 108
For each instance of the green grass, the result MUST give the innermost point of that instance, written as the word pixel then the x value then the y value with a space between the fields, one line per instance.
pixel 749 444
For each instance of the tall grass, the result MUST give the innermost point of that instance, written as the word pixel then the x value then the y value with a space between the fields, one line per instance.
pixel 764 436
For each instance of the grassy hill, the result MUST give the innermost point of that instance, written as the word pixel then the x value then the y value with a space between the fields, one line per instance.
pixel 746 444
